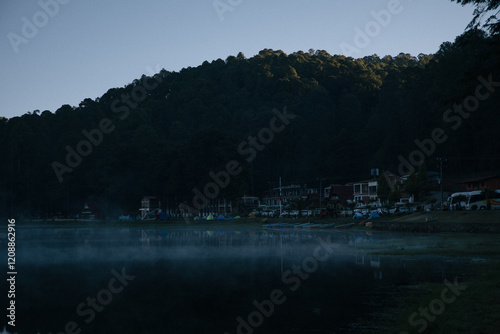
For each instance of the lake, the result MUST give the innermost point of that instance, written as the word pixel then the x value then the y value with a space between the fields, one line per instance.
pixel 205 280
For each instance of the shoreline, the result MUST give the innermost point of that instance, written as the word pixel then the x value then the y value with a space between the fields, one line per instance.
pixel 426 222
pixel 443 221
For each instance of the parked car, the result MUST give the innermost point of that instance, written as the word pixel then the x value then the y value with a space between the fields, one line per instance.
pixel 404 210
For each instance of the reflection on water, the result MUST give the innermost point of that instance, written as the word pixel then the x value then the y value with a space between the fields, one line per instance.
pixel 202 281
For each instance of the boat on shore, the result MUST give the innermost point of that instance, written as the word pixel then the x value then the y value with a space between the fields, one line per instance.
pixel 315 226
pixel 306 225
pixel 345 225
pixel 276 225
pixel 301 225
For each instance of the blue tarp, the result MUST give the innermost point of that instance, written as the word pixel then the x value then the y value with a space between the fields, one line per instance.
pixel 374 215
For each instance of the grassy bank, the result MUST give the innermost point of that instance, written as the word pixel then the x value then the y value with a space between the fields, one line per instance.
pixel 457 221
pixel 445 244
pixel 474 309
pixel 464 217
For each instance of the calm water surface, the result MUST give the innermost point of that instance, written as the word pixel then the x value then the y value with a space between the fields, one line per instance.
pixel 202 280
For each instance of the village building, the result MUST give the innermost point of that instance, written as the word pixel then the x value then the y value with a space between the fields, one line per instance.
pixel 285 195
pixel 343 193
pixel 480 183
pixel 150 205
pixel 365 191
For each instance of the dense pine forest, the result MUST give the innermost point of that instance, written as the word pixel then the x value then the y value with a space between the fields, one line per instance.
pixel 297 116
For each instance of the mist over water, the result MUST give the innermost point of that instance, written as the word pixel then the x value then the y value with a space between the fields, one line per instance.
pixel 198 280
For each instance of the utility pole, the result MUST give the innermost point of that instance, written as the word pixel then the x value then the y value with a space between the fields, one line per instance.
pixel 440 159
pixel 320 192
pixel 281 210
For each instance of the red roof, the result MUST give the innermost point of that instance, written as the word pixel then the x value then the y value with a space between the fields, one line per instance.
pixel 366 181
pixel 478 179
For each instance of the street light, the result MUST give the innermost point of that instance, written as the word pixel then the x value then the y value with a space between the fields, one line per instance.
pixel 320 192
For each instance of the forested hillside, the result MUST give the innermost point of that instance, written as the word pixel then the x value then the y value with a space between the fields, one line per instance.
pixel 164 135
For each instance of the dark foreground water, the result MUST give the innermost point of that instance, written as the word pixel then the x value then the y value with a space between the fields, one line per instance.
pixel 133 280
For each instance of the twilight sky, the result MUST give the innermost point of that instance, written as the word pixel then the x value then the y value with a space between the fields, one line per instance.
pixel 55 52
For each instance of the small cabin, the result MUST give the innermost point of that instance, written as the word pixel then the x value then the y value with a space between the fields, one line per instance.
pixel 150 205
pixel 86 213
